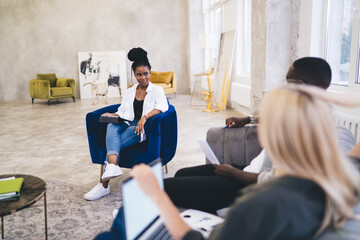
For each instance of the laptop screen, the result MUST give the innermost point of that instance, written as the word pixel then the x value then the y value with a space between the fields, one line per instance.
pixel 139 211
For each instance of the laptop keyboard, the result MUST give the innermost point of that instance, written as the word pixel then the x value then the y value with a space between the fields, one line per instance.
pixel 161 233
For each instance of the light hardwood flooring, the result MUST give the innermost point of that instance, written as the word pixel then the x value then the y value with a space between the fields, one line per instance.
pixel 51 141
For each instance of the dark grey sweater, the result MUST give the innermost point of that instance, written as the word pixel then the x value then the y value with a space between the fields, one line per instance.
pixel 285 208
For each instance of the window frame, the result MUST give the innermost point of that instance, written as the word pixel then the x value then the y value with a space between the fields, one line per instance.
pixel 354 78
pixel 243 37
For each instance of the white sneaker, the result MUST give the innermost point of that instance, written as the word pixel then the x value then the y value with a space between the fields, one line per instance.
pixel 97 192
pixel 115 213
pixel 111 171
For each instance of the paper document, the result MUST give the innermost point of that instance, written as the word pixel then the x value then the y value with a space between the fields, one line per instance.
pixel 208 151
pixel 201 221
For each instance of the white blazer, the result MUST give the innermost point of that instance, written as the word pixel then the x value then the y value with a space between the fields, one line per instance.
pixel 154 99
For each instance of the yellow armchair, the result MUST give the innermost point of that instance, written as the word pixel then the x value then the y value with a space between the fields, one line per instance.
pixel 167 80
pixel 48 87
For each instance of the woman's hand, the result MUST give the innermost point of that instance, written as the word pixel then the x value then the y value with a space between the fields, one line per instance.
pixel 169 213
pixel 225 170
pixel 110 114
pixel 147 181
pixel 140 126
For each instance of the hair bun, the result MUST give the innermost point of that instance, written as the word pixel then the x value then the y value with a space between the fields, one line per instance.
pixel 137 54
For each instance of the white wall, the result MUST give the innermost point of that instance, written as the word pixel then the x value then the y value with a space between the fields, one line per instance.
pixel 44 36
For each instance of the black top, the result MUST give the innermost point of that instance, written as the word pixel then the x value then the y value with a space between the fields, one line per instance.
pixel 285 208
pixel 138 108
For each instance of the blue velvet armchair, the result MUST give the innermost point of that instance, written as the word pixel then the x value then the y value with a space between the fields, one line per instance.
pixel 161 138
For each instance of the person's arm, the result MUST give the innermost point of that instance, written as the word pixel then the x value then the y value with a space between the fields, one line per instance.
pixel 168 212
pixel 232 172
pixel 143 119
pixel 161 102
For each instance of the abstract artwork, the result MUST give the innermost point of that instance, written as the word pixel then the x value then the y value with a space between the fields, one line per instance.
pixel 102 73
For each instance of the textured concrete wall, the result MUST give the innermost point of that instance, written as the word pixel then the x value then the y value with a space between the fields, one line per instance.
pixel 44 36
pixel 275 33
pixel 258 52
pixel 196 56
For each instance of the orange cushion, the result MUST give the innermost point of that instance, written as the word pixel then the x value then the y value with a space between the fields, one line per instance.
pixel 161 77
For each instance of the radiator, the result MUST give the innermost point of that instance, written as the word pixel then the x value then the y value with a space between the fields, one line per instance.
pixel 350 122
pixel 240 94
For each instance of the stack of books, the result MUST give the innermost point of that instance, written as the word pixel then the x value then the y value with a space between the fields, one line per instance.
pixel 10 188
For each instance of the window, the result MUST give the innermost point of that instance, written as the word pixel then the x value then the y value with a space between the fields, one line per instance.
pixel 244 39
pixel 213 11
pixel 212 26
pixel 342 43
pixel 338 39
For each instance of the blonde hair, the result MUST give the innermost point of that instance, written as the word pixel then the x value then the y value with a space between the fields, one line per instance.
pixel 297 130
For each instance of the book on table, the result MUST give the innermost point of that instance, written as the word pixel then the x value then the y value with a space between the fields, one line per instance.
pixel 10 188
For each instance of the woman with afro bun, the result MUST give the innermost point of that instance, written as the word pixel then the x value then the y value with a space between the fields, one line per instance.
pixel 140 102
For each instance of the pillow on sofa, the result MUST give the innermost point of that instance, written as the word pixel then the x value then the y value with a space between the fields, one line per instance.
pixel 61 82
pixel 161 77
pixel 51 77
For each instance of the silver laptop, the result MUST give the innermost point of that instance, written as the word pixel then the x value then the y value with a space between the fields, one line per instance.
pixel 141 217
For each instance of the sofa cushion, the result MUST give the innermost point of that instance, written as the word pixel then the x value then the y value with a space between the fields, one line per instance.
pixel 60 91
pixel 61 82
pixel 51 77
pixel 161 77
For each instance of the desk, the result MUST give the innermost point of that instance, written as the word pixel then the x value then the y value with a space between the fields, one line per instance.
pixel 33 190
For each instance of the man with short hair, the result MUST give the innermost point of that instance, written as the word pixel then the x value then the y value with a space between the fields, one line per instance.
pixel 212 187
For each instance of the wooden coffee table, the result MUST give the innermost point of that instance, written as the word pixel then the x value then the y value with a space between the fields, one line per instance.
pixel 33 190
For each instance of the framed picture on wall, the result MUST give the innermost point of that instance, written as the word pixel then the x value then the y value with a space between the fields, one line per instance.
pixel 102 73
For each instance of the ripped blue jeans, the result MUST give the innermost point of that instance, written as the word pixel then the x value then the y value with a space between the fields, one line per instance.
pixel 120 136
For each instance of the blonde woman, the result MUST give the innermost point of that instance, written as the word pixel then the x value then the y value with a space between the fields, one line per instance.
pixel 315 186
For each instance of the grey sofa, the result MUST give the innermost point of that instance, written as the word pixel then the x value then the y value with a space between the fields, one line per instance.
pixel 234 146
pixel 238 146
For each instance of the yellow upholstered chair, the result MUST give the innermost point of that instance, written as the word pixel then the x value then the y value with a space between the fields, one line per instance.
pixel 167 80
pixel 48 86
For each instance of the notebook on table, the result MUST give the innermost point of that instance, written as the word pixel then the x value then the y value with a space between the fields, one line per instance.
pixel 141 216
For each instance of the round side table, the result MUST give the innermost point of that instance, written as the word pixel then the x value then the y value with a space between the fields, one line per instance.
pixel 33 190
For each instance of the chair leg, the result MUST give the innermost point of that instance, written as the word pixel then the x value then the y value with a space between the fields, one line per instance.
pixel 49 102
pixel 166 169
pixel 73 99
pixel 101 171
pixel 32 101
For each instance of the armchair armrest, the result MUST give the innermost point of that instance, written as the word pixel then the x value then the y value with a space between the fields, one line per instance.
pixel 39 88
pixel 174 82
pixel 234 146
pixel 161 132
pixel 96 132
